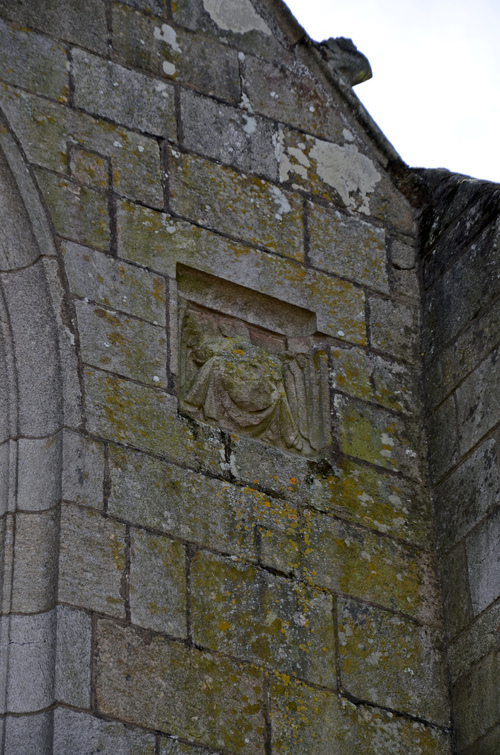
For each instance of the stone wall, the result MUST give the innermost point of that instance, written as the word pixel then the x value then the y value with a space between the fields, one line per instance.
pixel 244 556
pixel 461 334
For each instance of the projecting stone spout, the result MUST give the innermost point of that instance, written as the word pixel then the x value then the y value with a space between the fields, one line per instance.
pixel 344 57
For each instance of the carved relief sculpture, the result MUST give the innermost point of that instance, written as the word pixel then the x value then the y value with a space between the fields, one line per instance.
pixel 270 394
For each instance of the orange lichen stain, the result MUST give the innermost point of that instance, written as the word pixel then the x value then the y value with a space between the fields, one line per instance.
pixel 158 289
pixel 224 626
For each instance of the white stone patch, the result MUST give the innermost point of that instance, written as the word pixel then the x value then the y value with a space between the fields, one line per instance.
pixel 250 126
pixel 245 103
pixel 281 201
pixel 167 34
pixel 352 174
pixel 286 166
pixel 387 440
pixel 168 68
pixel 232 466
pixel 347 135
pixel 238 16
pixel 374 658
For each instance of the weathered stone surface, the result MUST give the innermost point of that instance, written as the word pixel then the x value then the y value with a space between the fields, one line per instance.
pixel 78 212
pixel 405 282
pixel 463 355
pixel 31 661
pixel 455 589
pixel 348 247
pixel 230 135
pixel 19 246
pixel 154 7
pixel 377 436
pixel 476 700
pixel 250 614
pixel 170 746
pixel 67 362
pixel 159 241
pixel 255 311
pixel 292 97
pixel 260 213
pixel 487 745
pixel 73 656
pixel 278 547
pixel 466 496
pixel 342 171
pixel 83 470
pixel 350 560
pixel 107 89
pixel 373 378
pixel 140 416
pixel 185 504
pixel 403 254
pixel 394 328
pixel 195 60
pixel 84 25
pixel 190 696
pixel 26 735
pixel 37 369
pixel 390 661
pixel 79 732
pixel 113 283
pixel 317 722
pixel 92 561
pixel 371 498
pixel 478 402
pixel 35 568
pixel 39 487
pixel 33 61
pixel 463 207
pixel 320 167
pixel 270 469
pixel 89 169
pixel 236 22
pixel 50 133
pixel 481 638
pixel 463 290
pixel 443 440
pixel 122 345
pixel 158 583
pixel 483 559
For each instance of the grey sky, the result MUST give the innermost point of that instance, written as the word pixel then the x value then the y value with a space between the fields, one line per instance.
pixel 436 65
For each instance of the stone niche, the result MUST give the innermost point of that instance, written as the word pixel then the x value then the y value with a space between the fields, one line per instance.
pixel 252 364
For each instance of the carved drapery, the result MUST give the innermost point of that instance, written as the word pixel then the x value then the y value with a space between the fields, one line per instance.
pixel 246 381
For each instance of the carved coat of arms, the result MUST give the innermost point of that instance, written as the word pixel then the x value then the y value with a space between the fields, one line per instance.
pixel 228 381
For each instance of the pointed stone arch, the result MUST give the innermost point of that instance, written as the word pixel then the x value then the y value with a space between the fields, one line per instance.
pixel 31 420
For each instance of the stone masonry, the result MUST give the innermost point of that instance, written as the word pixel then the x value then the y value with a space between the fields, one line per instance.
pixel 249 399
